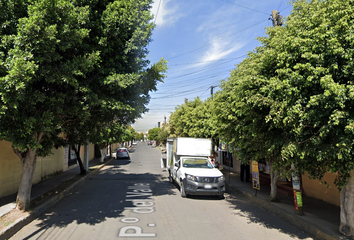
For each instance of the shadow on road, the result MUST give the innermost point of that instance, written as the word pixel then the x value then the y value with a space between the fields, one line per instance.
pixel 103 197
pixel 258 215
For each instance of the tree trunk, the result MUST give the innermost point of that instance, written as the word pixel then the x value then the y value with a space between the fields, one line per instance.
pixel 77 152
pixel 347 208
pixel 274 176
pixel 28 160
pixel 103 154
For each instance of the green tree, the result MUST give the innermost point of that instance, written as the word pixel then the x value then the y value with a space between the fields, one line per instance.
pixel 37 73
pixel 139 136
pixel 74 66
pixel 153 134
pixel 194 119
pixel 314 90
pixel 163 135
pixel 117 90
pixel 242 108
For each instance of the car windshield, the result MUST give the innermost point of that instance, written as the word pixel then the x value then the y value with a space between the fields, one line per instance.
pixel 122 150
pixel 196 163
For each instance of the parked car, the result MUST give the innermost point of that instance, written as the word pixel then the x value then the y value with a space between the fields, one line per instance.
pixel 149 143
pixel 197 176
pixel 189 166
pixel 122 153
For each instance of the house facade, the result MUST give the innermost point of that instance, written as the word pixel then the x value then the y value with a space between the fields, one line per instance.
pixel 61 160
pixel 310 187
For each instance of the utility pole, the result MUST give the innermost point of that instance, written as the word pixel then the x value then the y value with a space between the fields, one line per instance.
pixel 212 91
pixel 276 18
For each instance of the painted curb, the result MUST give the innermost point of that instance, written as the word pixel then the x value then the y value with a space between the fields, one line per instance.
pixel 13 228
pixel 291 218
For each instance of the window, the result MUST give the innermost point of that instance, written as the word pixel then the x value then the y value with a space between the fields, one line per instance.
pixel 196 163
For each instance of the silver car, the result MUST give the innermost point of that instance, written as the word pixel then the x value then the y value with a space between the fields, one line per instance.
pixel 122 153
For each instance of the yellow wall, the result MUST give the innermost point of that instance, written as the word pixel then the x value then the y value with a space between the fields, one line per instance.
pixel 11 169
pixel 92 151
pixel 314 188
pixel 49 165
pixel 115 147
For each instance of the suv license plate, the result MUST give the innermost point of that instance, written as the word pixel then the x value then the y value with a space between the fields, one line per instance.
pixel 207 186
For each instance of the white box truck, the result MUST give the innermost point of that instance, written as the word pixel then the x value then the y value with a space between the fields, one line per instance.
pixel 189 166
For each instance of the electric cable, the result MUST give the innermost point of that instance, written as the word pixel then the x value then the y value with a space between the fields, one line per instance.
pixel 181 93
pixel 173 87
pixel 194 80
pixel 285 8
pixel 245 7
pixel 200 46
pixel 204 69
pixel 281 1
pixel 205 91
pixel 192 63
pixel 157 12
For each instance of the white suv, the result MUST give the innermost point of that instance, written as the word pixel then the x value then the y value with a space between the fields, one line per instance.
pixel 198 176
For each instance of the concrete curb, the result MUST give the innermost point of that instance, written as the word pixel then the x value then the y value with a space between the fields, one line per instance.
pixel 291 218
pixel 20 223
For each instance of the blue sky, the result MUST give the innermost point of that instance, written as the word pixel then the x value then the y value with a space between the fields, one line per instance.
pixel 202 40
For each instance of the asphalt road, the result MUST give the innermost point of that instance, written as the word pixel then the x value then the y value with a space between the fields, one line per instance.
pixel 132 199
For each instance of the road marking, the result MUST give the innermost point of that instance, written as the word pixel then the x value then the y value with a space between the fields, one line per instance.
pixel 141 206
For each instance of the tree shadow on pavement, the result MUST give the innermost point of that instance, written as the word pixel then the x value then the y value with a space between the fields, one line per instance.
pixel 255 214
pixel 103 197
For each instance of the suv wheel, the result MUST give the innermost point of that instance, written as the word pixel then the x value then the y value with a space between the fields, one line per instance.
pixel 183 192
pixel 170 179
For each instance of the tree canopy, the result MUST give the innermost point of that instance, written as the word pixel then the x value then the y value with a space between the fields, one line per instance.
pixel 153 133
pixel 314 87
pixel 294 93
pixel 193 119
pixel 73 67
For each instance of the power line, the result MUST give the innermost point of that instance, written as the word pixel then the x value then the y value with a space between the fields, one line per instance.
pixel 281 1
pixel 157 12
pixel 220 38
pixel 194 80
pixel 204 92
pixel 209 67
pixel 285 8
pixel 179 86
pixel 192 63
pixel 182 93
pixel 245 7
pixel 202 70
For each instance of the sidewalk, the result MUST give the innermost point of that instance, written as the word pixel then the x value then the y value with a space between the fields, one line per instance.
pixel 320 218
pixel 8 203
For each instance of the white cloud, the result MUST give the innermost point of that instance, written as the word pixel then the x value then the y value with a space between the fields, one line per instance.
pixel 165 12
pixel 220 49
pixel 220 29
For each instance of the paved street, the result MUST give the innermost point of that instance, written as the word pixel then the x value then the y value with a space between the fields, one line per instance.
pixel 132 199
